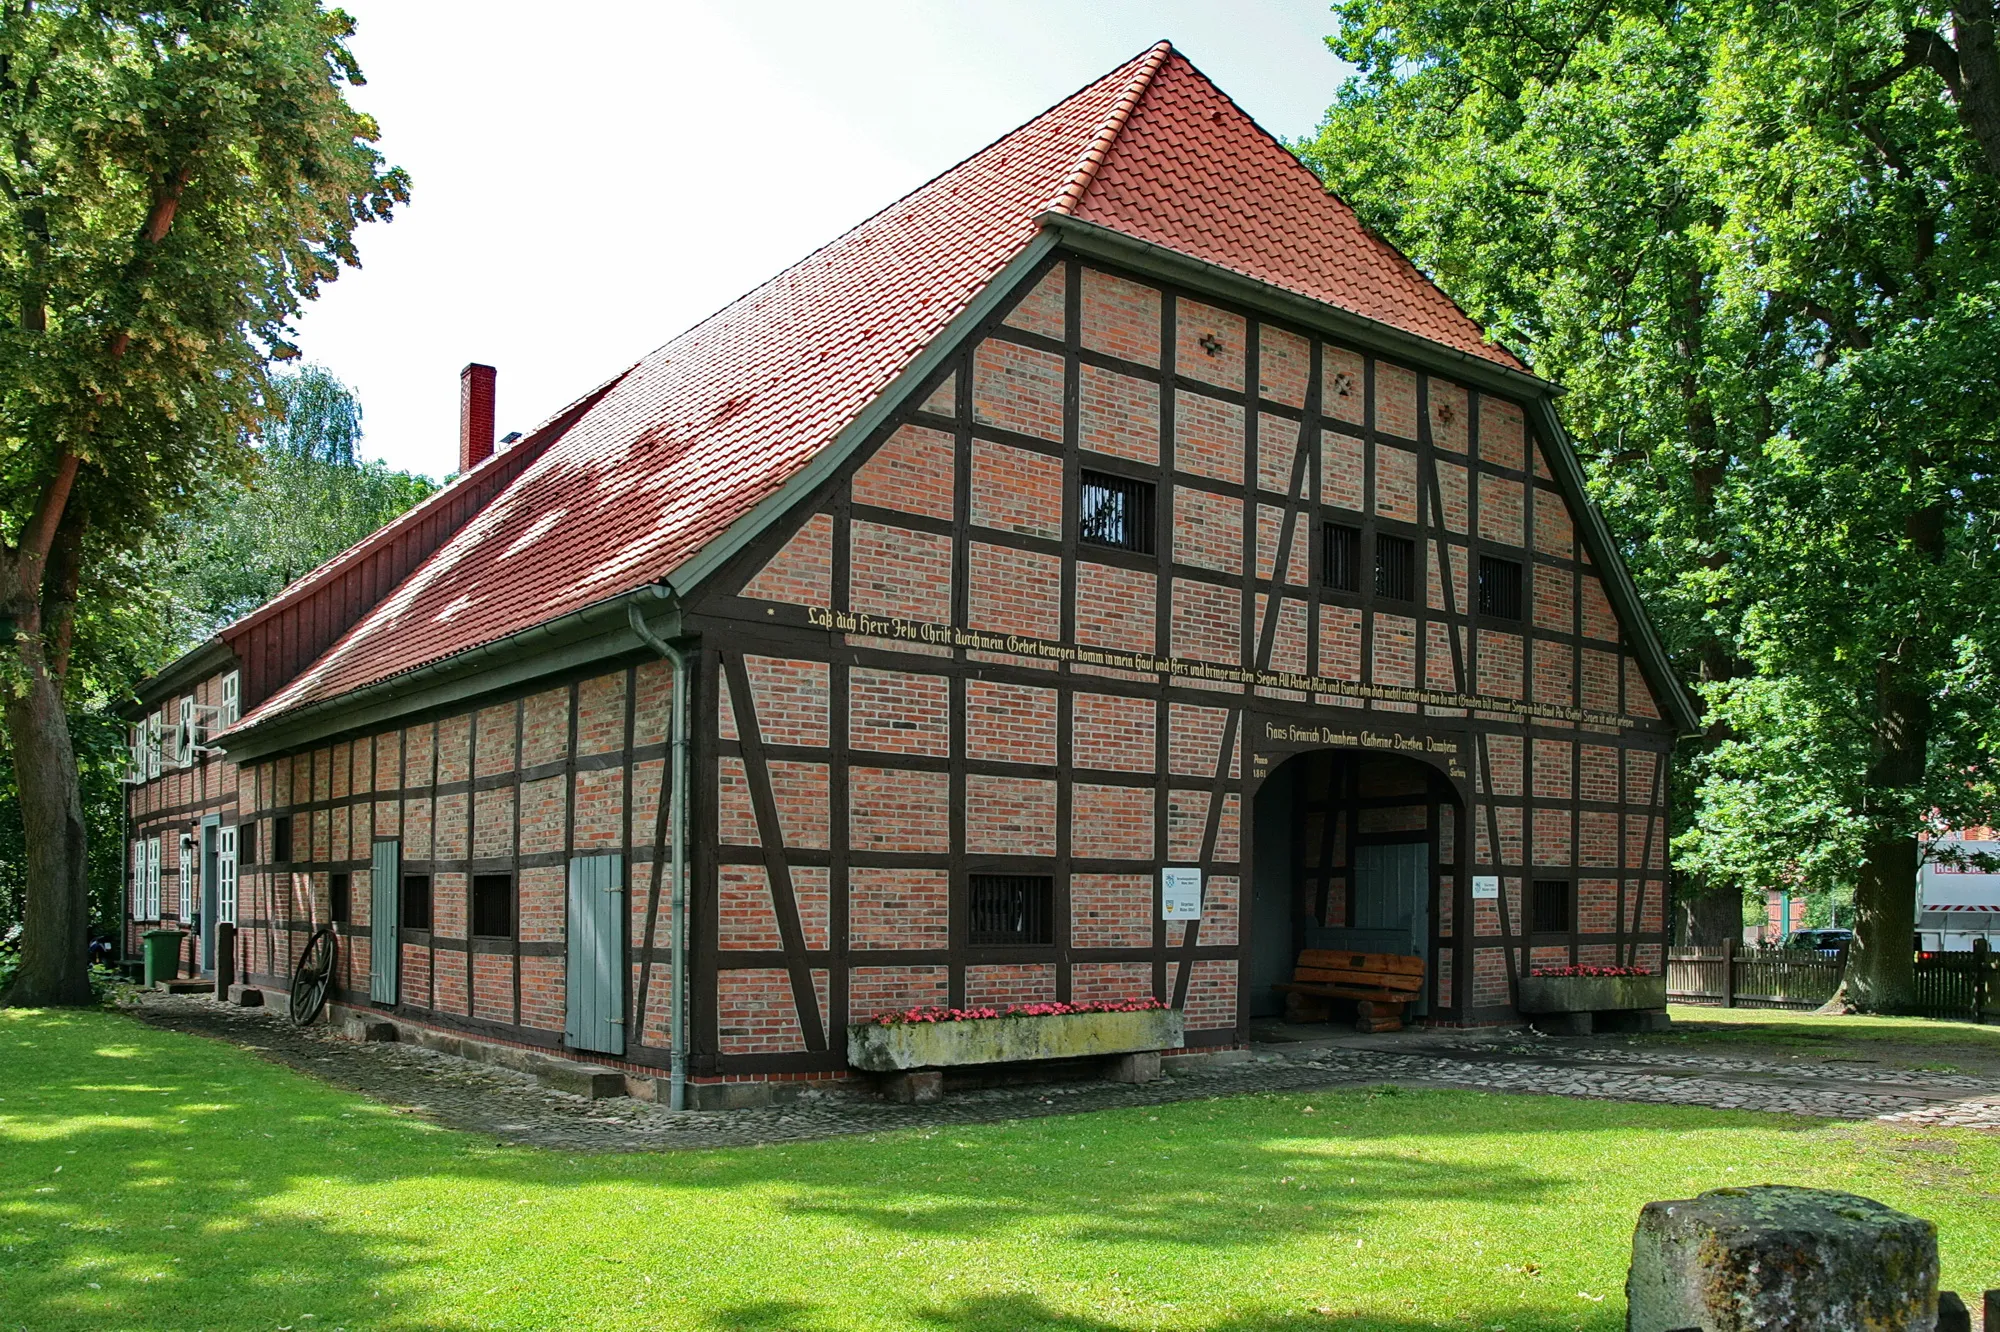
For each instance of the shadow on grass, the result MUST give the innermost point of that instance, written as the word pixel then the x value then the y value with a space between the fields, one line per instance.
pixel 1027 1313
pixel 157 1181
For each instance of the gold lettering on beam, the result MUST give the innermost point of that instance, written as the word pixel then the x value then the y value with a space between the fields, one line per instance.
pixel 891 629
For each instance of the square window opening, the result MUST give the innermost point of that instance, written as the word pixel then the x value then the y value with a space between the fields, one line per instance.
pixel 493 906
pixel 1552 906
pixel 1395 567
pixel 1010 910
pixel 1340 558
pixel 416 901
pixel 340 896
pixel 1499 588
pixel 1116 511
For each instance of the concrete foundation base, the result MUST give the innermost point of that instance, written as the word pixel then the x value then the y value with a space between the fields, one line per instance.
pixel 362 1029
pixel 915 1086
pixel 1143 1066
pixel 246 996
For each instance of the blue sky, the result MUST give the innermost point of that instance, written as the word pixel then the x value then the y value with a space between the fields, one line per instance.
pixel 587 188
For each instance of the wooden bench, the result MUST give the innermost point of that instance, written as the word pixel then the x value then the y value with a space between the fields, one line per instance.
pixel 1379 983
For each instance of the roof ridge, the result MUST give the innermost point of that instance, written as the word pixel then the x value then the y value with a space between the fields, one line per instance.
pixel 1099 148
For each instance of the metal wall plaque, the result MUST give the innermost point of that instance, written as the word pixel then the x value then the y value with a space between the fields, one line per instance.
pixel 1486 887
pixel 1180 893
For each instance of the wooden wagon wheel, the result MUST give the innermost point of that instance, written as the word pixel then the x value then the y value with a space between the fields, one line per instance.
pixel 314 975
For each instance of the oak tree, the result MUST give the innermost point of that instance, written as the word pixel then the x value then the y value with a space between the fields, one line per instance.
pixel 1756 241
pixel 175 180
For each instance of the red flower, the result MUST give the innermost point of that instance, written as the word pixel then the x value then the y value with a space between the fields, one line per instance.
pixel 1591 971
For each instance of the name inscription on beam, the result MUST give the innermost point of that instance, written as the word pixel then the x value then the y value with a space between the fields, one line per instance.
pixel 893 630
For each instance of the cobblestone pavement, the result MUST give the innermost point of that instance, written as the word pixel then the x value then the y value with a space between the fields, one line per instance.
pixel 515 1108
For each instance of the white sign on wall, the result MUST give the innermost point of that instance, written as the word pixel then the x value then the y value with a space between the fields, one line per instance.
pixel 1486 887
pixel 1180 893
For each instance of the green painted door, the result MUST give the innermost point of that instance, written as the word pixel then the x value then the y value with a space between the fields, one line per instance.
pixel 595 993
pixel 385 896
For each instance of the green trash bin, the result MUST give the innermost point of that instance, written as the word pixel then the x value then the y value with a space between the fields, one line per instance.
pixel 162 950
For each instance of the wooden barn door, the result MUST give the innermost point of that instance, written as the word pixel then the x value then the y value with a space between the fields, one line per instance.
pixel 595 992
pixel 385 883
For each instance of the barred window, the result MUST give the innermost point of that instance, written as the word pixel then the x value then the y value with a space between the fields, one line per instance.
pixel 1116 511
pixel 1395 567
pixel 1552 906
pixel 1499 588
pixel 1340 557
pixel 1010 909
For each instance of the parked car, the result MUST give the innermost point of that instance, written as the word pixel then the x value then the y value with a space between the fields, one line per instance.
pixel 1829 942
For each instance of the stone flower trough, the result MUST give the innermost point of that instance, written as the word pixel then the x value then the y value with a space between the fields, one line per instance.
pixel 913 1049
pixel 1570 1003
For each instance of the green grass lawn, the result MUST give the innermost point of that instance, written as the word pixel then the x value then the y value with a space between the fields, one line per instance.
pixel 155 1181
pixel 1913 1041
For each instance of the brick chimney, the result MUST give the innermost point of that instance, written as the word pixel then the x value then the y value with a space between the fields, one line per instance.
pixel 475 415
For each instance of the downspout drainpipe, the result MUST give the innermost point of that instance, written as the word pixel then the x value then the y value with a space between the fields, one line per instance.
pixel 677 862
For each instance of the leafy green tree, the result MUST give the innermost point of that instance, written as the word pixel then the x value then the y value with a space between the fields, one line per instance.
pixel 310 495
pixel 175 180
pixel 1757 242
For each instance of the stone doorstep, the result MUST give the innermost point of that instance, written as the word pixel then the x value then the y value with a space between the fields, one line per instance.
pixel 553 1071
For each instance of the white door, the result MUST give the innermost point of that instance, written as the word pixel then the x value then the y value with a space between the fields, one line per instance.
pixel 225 875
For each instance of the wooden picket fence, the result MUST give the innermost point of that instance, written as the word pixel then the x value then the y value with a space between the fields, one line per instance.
pixel 1963 986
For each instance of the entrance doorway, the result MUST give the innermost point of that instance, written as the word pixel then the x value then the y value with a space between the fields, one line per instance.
pixel 1351 848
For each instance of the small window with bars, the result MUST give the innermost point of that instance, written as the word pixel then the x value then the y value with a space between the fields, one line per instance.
pixel 1010 910
pixel 1395 567
pixel 416 901
pixel 493 906
pixel 1552 906
pixel 1340 557
pixel 1116 511
pixel 1499 588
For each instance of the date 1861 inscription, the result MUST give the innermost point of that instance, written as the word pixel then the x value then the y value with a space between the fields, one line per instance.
pixel 1040 649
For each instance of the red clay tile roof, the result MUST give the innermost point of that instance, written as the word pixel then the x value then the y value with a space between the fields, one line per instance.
pixel 699 432
pixel 1192 172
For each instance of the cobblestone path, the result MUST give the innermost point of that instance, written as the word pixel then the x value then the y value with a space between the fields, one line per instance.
pixel 515 1108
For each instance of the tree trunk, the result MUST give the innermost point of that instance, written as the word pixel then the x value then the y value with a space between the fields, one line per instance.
pixel 1881 964
pixel 55 943
pixel 1710 914
pixel 1881 967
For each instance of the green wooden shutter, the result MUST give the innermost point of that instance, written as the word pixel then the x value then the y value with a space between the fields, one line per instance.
pixel 385 897
pixel 595 993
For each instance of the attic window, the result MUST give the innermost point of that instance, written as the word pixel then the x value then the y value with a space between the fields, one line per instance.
pixel 1499 588
pixel 1340 558
pixel 1116 511
pixel 1395 567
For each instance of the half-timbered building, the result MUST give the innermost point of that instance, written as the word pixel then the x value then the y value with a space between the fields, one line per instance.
pixel 1114 504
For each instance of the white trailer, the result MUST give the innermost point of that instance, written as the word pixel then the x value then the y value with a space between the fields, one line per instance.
pixel 1957 904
